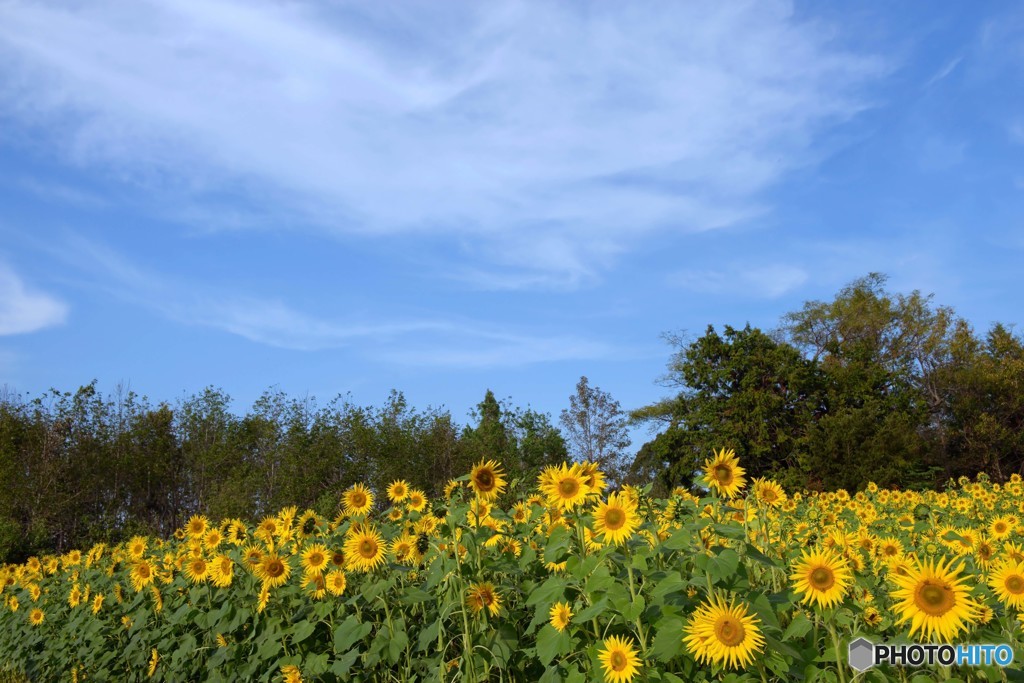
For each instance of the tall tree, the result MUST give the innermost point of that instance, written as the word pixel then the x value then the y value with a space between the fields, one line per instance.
pixel 597 429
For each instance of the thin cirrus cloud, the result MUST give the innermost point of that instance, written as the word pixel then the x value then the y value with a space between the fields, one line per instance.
pixel 436 341
pixel 758 282
pixel 502 126
pixel 24 309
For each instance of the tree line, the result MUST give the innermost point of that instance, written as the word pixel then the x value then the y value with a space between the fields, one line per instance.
pixel 871 386
pixel 80 467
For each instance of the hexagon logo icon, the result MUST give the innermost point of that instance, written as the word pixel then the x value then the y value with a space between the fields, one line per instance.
pixel 862 654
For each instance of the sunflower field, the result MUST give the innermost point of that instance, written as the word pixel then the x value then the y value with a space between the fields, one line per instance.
pixel 553 580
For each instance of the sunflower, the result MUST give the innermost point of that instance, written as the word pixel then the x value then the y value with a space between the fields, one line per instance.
pixel 398 490
pixel 822 577
pixel 314 559
pixel 158 600
pixel 154 659
pixel 97 603
pixel 75 597
pixel 416 500
pixel 264 598
pixel 273 570
pixel 36 616
pixel 338 558
pixel 724 474
pixel 872 617
pixel 564 486
pixel 1000 528
pixel 619 659
pixel 197 570
pixel 404 549
pixel 933 598
pixel 890 547
pixel 142 574
pixel 480 596
pixel 336 582
pixel 315 585
pixel 593 478
pixel 252 554
pixel 723 633
pixel 308 523
pixel 358 500
pixel 769 493
pixel 213 538
pixel 487 480
pixel 136 548
pixel 560 615
pixel 291 673
pixel 197 525
pixel 364 548
pixel 1008 584
pixel 222 571
pixel 616 519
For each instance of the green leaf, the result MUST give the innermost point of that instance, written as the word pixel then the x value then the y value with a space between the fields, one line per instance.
pixel 550 591
pixel 797 628
pixel 594 610
pixel 668 640
pixel 349 632
pixel 679 540
pixel 551 643
pixel 302 630
pixel 396 646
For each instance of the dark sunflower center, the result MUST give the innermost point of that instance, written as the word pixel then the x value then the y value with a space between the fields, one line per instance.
pixel 316 559
pixel 1000 527
pixel 934 599
pixel 358 500
pixel 484 480
pixel 723 474
pixel 199 567
pixel 568 487
pixel 275 568
pixel 890 550
pixel 367 548
pixel 143 571
pixel 614 519
pixel 1015 584
pixel 822 578
pixel 729 631
pixel 618 661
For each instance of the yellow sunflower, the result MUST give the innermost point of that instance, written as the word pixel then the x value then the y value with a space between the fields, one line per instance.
pixel 1008 584
pixel 416 500
pixel 769 493
pixel 616 519
pixel 315 558
pixel 822 577
pixel 933 598
pixel 487 480
pixel 136 548
pixel 154 659
pixel 273 570
pixel 1000 528
pixel 197 570
pixel 197 525
pixel 723 633
pixel 364 548
pixel 564 486
pixel 398 490
pixel 97 603
pixel 336 582
pixel 291 674
pixel 481 596
pixel 36 616
pixel 222 571
pixel 619 660
pixel 724 474
pixel 142 574
pixel 358 500
pixel 560 613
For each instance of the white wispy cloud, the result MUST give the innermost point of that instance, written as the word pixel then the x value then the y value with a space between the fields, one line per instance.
pixel 439 340
pixel 545 138
pixel 755 282
pixel 24 309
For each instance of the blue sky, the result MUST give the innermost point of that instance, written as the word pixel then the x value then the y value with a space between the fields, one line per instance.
pixel 443 198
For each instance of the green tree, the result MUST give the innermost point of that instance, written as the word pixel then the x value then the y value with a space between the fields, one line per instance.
pixel 741 389
pixel 597 431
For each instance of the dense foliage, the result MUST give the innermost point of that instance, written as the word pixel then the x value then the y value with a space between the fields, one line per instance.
pixel 870 386
pixel 566 582
pixel 82 468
